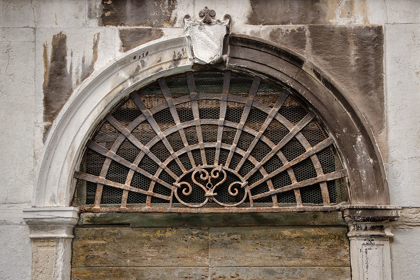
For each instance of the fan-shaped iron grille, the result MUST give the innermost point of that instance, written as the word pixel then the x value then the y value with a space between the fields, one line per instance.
pixel 210 140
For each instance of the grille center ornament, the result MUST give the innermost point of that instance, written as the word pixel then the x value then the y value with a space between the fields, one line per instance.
pixel 207 181
pixel 205 37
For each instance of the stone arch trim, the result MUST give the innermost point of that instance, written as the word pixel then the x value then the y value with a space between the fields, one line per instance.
pixel 93 99
pixel 368 185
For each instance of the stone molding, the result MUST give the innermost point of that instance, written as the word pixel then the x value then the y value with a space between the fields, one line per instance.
pixel 369 234
pixel 373 221
pixel 51 222
pixel 87 106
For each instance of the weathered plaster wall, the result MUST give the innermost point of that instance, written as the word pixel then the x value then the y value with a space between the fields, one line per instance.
pixel 50 47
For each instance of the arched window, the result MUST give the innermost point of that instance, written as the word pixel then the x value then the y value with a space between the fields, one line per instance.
pixel 211 139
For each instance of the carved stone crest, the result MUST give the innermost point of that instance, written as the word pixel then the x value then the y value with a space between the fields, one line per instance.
pixel 205 36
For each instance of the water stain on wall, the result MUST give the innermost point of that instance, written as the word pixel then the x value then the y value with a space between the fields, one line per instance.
pixel 134 37
pixel 57 84
pixel 87 69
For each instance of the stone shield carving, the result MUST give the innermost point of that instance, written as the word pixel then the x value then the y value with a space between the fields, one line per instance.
pixel 205 37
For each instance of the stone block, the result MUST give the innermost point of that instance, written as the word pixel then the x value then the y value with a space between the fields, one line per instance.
pixel 16 14
pixel 403 101
pixel 59 13
pixel 17 114
pixel 16 252
pixel 406 11
pixel 405 254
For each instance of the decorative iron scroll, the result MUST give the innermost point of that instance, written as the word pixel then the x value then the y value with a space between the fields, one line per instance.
pixel 209 181
pixel 208 140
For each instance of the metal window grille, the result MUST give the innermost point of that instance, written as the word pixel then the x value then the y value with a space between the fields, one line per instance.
pixel 211 140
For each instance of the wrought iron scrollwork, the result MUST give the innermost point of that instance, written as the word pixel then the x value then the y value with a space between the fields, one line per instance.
pixel 209 182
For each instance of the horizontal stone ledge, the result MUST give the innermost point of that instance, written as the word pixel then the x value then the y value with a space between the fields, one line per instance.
pixel 372 213
pixel 213 219
pixel 51 222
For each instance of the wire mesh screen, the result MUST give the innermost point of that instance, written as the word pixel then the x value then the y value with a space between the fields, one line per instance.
pixel 210 139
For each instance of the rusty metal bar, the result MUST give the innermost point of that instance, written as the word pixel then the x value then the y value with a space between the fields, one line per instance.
pixel 323 178
pixel 155 127
pixel 223 107
pixel 248 104
pixel 169 100
pixel 295 130
pixel 264 126
pixel 111 155
pixel 327 142
pixel 103 181
pixel 292 209
pixel 194 106
pixel 318 169
pixel 144 149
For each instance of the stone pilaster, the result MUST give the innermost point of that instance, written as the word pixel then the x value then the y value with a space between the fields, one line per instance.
pixel 51 235
pixel 369 234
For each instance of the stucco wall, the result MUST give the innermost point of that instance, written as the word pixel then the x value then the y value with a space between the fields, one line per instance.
pixel 371 48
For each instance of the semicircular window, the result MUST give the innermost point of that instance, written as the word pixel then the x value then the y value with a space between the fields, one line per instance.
pixel 210 139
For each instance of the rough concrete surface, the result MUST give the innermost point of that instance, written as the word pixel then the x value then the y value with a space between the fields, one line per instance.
pixel 403 102
pixel 405 254
pixel 15 257
pixel 17 114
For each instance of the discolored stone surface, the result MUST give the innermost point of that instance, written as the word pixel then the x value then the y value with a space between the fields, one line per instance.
pixel 131 38
pixel 274 12
pixel 353 56
pixel 278 247
pixel 211 253
pixel 134 273
pixel 279 273
pixel 174 247
pixel 137 13
pixel 57 84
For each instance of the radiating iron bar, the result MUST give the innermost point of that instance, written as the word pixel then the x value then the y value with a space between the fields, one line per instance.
pixel 326 177
pixel 194 106
pixel 222 115
pixel 292 177
pixel 169 100
pixel 139 145
pixel 252 92
pixel 318 169
pixel 297 160
pixel 155 127
pixel 297 193
pixel 112 155
pixel 103 181
pixel 130 127
pixel 104 170
pixel 124 197
pixel 295 130
pixel 264 126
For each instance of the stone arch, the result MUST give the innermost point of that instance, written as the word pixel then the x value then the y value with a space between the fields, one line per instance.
pixel 89 103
